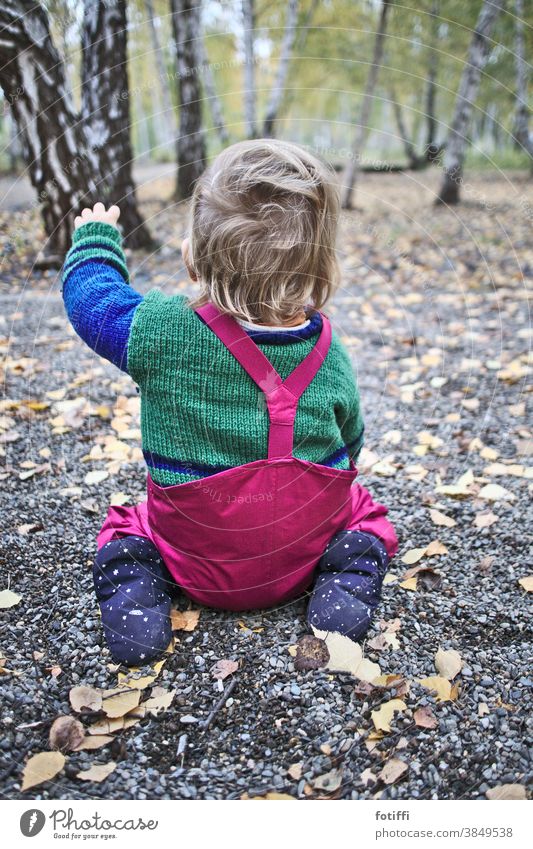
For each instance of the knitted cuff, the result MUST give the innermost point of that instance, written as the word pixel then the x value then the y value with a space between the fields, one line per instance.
pixel 96 241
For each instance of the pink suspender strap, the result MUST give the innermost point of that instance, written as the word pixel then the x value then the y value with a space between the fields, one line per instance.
pixel 281 396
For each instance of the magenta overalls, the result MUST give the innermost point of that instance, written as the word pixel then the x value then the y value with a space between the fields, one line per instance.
pixel 251 536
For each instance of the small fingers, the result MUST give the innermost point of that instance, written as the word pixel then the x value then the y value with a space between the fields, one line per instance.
pixel 99 208
pixel 113 213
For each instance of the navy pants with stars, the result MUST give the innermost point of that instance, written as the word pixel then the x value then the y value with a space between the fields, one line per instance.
pixel 134 590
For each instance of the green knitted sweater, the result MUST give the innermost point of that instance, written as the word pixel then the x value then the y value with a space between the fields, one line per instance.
pixel 201 412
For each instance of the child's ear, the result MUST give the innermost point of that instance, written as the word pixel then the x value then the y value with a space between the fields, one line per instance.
pixel 186 254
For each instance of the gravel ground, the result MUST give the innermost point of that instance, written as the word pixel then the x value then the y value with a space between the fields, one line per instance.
pixel 433 308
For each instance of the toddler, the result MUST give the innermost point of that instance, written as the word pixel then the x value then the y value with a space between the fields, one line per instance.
pixel 250 415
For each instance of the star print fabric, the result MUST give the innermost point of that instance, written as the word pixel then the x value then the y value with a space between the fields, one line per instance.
pixel 348 584
pixel 134 589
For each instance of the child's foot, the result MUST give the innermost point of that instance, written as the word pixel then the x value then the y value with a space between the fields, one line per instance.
pixel 133 588
pixel 348 585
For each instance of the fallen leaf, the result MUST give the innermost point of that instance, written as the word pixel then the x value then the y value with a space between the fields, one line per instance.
pixel 485 520
pixel 440 685
pixel 97 772
pixel 9 599
pixel 393 769
pixel 329 782
pixel 120 701
pixel 526 583
pixel 384 715
pixel 97 476
pixel 160 700
pixel 436 548
pixel 94 742
pixel 448 663
pixel 128 679
pixel 367 777
pixel 347 656
pixel 507 791
pixel 295 771
pixel 495 492
pixel 66 733
pixel 223 668
pixel 311 653
pixel 85 699
pixel 271 796
pixel 425 718
pixel 40 768
pixel 483 709
pixel 30 528
pixel 409 584
pixel 184 620
pixel 439 518
pixel 413 555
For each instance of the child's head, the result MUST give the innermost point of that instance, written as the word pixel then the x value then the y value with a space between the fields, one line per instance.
pixel 264 220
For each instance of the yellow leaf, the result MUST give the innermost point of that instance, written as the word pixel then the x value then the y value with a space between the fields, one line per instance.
pixel 382 717
pixel 527 583
pixel 127 679
pixel 160 700
pixel 392 770
pixel 92 478
pixel 42 767
pixel 485 520
pixel 439 518
pixel 440 685
pixel 507 791
pixel 413 555
pixel 97 772
pixel 119 701
pixel 94 742
pixel 435 548
pixel 448 663
pixel 85 698
pixel 409 584
pixel 347 656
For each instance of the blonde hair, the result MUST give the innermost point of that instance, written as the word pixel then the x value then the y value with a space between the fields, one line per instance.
pixel 263 229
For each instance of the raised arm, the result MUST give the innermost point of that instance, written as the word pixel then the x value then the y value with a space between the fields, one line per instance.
pixel 98 299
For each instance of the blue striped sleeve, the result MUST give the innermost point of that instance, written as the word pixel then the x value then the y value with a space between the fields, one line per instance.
pixel 99 302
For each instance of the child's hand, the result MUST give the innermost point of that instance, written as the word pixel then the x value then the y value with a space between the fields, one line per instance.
pixel 98 213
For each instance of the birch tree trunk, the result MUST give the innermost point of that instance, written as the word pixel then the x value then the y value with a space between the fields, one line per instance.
pixel 278 89
pixel 410 151
pixel 105 111
pixel 248 15
pixel 211 91
pixel 60 162
pixel 521 125
pixel 366 106
pixel 431 147
pixel 457 141
pixel 167 118
pixel 191 155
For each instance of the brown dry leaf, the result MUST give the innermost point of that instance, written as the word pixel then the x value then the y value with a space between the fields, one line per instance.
pixel 120 701
pixel 448 663
pixel 9 599
pixel 436 548
pixel 94 742
pixel 367 777
pixel 328 782
pixel 413 555
pixel 311 653
pixel 483 709
pixel 85 699
pixel 97 772
pixel 440 685
pixel 41 767
pixel 270 796
pixel 184 620
pixel 55 671
pixel 160 700
pixel 485 520
pixel 507 791
pixel 384 715
pixel 295 771
pixel 223 668
pixel 66 733
pixel 97 476
pixel 439 518
pixel 392 771
pixel 526 583
pixel 118 499
pixel 462 488
pixel 120 723
pixel 425 718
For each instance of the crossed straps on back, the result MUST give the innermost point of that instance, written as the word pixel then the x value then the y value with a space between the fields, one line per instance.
pixel 282 396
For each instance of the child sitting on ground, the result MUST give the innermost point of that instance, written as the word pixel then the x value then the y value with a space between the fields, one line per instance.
pixel 250 414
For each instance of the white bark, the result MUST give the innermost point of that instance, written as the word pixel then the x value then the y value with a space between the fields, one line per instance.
pixel 248 15
pixel 457 141
pixel 521 128
pixel 278 89
pixel 363 129
pixel 166 118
